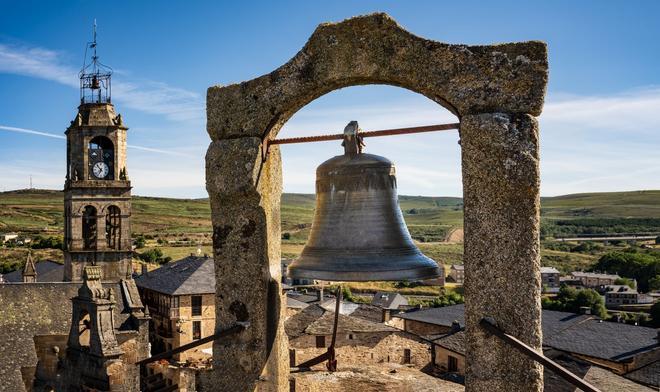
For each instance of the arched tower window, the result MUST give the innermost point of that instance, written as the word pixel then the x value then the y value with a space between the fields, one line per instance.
pixel 113 227
pixel 84 325
pixel 101 155
pixel 89 228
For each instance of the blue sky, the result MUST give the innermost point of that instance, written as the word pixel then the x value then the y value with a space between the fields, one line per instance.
pixel 599 129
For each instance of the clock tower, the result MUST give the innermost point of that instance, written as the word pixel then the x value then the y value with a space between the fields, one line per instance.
pixel 97 191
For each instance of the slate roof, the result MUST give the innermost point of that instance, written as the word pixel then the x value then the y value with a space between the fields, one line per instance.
pixel 295 304
pixel 549 270
pixel 649 374
pixel 569 332
pixel 605 340
pixel 314 320
pixel 454 341
pixel 307 298
pixel 387 300
pixel 438 316
pixel 47 271
pixel 190 275
pixel 580 274
pixel 459 267
pixel 603 379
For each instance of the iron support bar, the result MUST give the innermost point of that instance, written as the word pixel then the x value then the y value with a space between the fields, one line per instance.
pixel 384 132
pixel 330 354
pixel 168 354
pixel 491 327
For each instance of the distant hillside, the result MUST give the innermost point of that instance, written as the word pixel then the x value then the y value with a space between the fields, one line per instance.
pixel 428 218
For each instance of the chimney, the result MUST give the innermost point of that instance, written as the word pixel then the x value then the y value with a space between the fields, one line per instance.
pixel 585 310
pixel 320 294
pixel 386 315
pixel 455 326
pixel 145 271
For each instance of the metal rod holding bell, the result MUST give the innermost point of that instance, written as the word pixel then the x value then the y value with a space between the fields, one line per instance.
pixel 382 132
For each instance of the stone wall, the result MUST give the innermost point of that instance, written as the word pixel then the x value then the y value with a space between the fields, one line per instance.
pixel 36 309
pixel 442 359
pixel 421 328
pixel 358 349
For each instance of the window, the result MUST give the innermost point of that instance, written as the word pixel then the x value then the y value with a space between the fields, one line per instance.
pixel 84 325
pixel 113 227
pixel 453 364
pixel 406 355
pixel 89 228
pixel 197 330
pixel 196 305
pixel 320 341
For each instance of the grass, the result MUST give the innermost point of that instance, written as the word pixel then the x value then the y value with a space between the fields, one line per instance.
pixel 429 220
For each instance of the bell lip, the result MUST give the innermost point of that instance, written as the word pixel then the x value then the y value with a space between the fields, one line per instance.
pixel 424 273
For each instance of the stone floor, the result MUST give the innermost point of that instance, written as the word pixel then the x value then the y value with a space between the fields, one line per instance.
pixel 386 377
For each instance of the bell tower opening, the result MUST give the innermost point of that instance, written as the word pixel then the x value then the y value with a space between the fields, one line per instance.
pixel 113 227
pixel 429 200
pixel 89 228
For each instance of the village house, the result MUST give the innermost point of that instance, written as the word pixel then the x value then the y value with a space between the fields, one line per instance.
pixel 618 295
pixel 180 296
pixel 457 273
pixel 619 348
pixel 6 237
pixel 550 279
pixel 360 341
pixel 389 303
pixel 594 279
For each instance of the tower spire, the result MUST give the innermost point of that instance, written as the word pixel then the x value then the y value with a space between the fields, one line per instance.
pixel 30 270
pixel 95 77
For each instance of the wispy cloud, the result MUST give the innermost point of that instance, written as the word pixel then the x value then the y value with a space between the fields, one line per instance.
pixel 144 95
pixel 56 136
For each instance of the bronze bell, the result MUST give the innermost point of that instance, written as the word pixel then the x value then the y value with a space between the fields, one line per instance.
pixel 95 83
pixel 358 232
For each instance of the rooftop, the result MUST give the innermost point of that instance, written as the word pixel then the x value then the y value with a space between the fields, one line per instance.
pixel 47 271
pixel 549 270
pixel 191 275
pixel 580 274
pixel 569 332
pixel 387 300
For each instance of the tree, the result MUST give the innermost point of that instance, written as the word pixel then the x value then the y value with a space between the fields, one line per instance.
pixel 632 264
pixel 140 242
pixel 655 315
pixel 570 299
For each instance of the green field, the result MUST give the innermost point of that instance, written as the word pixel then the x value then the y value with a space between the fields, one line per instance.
pixel 429 220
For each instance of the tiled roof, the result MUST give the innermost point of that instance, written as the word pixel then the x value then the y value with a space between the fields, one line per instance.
pixel 606 340
pixel 314 320
pixel 549 270
pixel 47 271
pixel 295 304
pixel 580 274
pixel 191 275
pixel 454 341
pixel 648 375
pixel 387 300
pixel 439 316
pixel 569 332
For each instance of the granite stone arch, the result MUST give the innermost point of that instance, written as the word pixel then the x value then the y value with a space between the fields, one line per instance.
pixel 495 90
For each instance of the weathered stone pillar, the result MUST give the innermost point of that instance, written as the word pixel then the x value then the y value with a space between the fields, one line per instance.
pixel 245 192
pixel 500 156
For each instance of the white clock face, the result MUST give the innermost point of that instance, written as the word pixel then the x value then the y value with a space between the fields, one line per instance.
pixel 100 169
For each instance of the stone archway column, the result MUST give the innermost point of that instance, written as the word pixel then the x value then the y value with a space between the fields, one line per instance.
pixel 500 159
pixel 245 193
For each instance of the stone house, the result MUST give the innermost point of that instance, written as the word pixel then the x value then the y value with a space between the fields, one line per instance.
pixel 616 295
pixel 594 279
pixel 389 303
pixel 181 300
pixel 457 273
pixel 619 348
pixel 359 341
pixel 550 279
pixel 6 237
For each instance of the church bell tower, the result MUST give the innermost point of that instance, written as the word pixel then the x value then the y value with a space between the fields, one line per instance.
pixel 97 191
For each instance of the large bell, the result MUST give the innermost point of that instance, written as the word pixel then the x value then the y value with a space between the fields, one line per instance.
pixel 358 232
